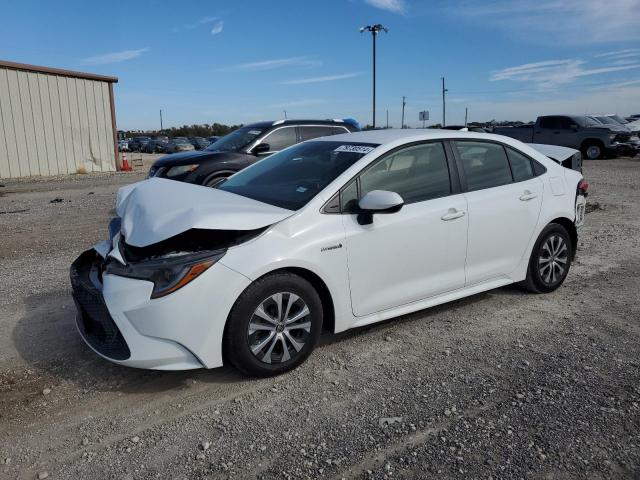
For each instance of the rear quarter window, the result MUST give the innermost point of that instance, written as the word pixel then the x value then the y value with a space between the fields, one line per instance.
pixel 485 164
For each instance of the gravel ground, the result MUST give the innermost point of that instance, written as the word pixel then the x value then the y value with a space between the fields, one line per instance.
pixel 503 384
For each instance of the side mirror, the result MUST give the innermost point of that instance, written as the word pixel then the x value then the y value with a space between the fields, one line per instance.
pixel 261 148
pixel 378 201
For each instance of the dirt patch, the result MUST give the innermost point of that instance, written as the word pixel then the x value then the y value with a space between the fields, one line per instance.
pixel 503 384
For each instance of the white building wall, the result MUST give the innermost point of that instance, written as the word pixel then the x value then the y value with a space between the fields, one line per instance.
pixel 53 124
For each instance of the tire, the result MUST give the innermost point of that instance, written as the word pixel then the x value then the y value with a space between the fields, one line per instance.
pixel 592 150
pixel 550 260
pixel 257 340
pixel 216 179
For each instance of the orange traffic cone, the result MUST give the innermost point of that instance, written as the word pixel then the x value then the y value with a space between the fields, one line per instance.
pixel 125 163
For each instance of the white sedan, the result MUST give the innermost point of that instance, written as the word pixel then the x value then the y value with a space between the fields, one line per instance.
pixel 333 233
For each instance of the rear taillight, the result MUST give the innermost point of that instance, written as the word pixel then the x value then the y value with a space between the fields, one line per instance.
pixel 583 186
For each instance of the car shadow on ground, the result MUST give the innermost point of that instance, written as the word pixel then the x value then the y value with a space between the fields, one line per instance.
pixel 47 340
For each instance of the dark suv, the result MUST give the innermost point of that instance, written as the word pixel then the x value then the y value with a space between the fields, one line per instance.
pixel 242 147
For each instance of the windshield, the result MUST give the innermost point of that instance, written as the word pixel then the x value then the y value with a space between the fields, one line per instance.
pixel 607 120
pixel 236 140
pixel 291 178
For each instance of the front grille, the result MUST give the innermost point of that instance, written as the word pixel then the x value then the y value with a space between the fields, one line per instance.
pixel 93 319
pixel 623 137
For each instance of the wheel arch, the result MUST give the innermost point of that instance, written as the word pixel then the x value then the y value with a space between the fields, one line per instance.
pixel 329 315
pixel 217 173
pixel 571 228
pixel 328 307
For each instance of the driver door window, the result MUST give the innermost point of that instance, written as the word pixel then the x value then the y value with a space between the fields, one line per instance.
pixel 416 173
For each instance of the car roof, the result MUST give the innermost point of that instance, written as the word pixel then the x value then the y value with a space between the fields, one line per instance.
pixel 273 123
pixel 384 136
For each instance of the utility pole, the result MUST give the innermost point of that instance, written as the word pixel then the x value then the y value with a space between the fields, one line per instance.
pixel 466 113
pixel 403 104
pixel 374 29
pixel 444 110
pixel 161 120
pixel 387 118
pixel 285 114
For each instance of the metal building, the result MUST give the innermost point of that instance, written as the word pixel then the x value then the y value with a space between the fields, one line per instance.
pixel 55 121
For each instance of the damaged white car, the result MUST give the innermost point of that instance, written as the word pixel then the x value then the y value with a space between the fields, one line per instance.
pixel 333 233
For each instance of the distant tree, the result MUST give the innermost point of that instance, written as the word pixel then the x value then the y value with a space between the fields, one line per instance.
pixel 205 130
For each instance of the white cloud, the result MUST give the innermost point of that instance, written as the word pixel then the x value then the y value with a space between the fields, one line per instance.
pixel 396 6
pixel 328 78
pixel 275 64
pixel 552 73
pixel 556 21
pixel 217 27
pixel 618 54
pixel 198 23
pixel 115 56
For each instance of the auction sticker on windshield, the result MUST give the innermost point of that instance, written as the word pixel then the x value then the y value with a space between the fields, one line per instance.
pixel 354 149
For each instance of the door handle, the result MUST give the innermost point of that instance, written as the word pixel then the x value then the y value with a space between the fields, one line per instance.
pixel 527 195
pixel 452 214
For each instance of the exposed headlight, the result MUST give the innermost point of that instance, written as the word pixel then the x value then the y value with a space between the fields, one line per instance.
pixel 612 136
pixel 175 171
pixel 169 273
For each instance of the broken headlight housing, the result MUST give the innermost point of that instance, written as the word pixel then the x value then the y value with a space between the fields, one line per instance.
pixel 168 273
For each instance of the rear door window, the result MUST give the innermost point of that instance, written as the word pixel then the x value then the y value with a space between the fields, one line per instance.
pixel 485 164
pixel 309 133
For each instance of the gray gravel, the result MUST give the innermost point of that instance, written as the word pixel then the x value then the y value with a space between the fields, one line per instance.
pixel 500 385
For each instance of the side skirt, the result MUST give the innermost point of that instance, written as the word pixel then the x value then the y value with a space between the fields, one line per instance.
pixel 432 301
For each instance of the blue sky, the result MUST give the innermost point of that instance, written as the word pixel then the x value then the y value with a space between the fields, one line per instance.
pixel 242 61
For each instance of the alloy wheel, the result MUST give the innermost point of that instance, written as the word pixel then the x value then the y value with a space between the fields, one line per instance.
pixel 279 328
pixel 553 259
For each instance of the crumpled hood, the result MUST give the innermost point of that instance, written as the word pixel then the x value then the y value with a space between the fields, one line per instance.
pixel 156 209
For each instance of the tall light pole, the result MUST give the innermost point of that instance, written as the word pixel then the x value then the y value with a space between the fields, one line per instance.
pixel 444 111
pixel 403 104
pixel 161 120
pixel 285 114
pixel 374 29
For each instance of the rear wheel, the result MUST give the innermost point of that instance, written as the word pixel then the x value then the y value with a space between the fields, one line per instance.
pixel 274 325
pixel 550 260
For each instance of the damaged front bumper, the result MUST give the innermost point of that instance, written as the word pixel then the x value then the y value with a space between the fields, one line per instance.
pixel 119 320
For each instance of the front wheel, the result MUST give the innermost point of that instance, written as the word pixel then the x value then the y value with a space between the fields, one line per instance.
pixel 216 180
pixel 274 325
pixel 550 260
